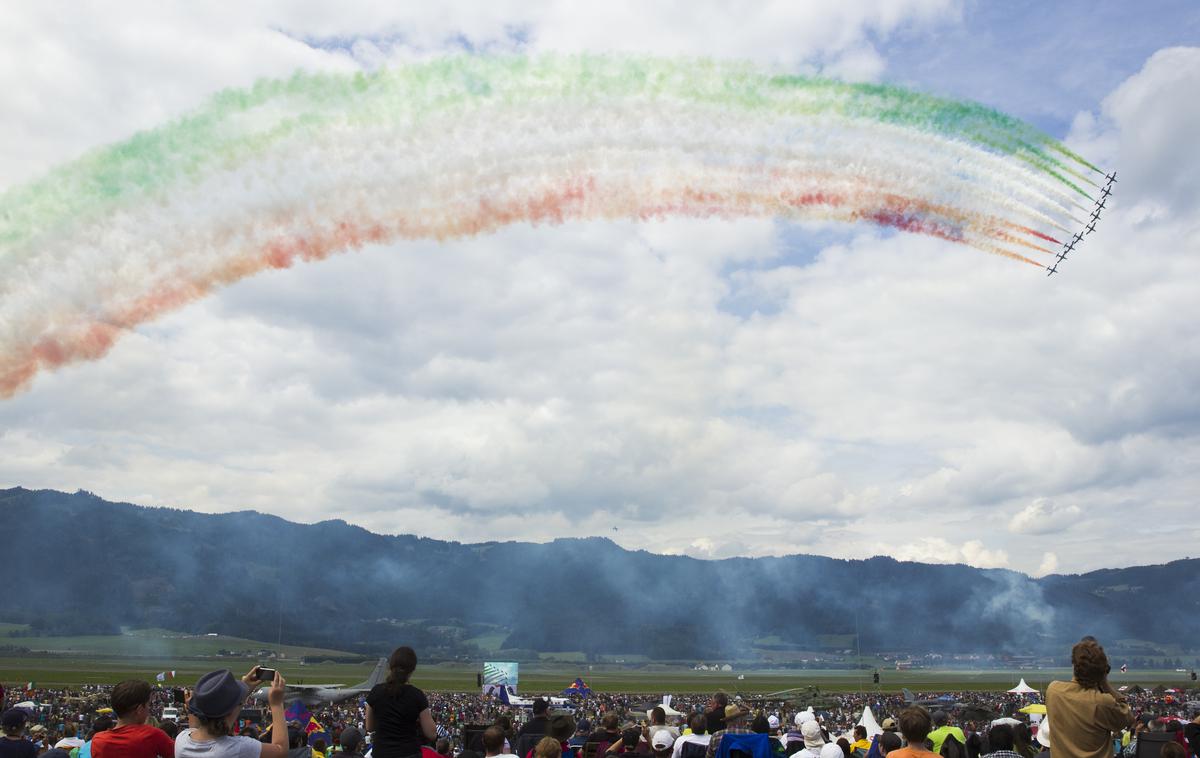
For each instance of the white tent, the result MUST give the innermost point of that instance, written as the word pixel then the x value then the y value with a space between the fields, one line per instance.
pixel 868 720
pixel 1023 689
pixel 666 706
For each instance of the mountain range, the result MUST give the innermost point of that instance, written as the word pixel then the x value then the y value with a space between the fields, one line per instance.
pixel 77 564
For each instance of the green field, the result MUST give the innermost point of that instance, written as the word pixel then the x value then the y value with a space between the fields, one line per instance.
pixel 62 670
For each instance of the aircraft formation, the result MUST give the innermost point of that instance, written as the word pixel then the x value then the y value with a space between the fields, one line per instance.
pixel 1069 246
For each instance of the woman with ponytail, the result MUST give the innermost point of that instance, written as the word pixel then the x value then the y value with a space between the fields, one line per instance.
pixel 397 712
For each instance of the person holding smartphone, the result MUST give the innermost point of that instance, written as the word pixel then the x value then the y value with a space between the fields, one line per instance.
pixel 213 709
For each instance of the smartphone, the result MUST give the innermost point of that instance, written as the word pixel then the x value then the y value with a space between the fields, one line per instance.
pixel 265 674
pixel 177 695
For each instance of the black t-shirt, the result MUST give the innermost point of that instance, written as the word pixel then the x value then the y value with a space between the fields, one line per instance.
pixel 17 748
pixel 715 719
pixel 397 726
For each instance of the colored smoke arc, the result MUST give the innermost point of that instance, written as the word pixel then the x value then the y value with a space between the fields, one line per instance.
pixel 301 168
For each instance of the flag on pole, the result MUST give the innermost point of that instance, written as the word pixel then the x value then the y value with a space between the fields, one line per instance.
pixel 1124 668
pixel 172 674
pixel 161 676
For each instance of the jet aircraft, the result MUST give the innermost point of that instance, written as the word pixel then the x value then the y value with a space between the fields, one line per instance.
pixel 1053 270
pixel 1111 177
pixel 316 695
pixel 1068 247
pixel 1100 203
pixel 1106 191
pixel 1091 227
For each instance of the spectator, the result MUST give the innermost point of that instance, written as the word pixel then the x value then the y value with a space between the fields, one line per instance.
pixel 1172 750
pixel 716 712
pixel 1043 738
pixel 582 730
pixel 351 739
pixel 540 721
pixel 548 747
pixel 915 726
pixel 658 720
pixel 1001 742
pixel 1023 741
pixel 1087 710
pixel 735 723
pixel 132 737
pixel 297 747
pixel 861 745
pixel 662 743
pixel 835 749
pixel 888 741
pixel 102 724
pixel 171 729
pixel 609 731
pixel 1191 732
pixel 942 730
pixel 493 741
pixel 13 744
pixel 318 748
pixel 843 745
pixel 888 725
pixel 561 727
pixel 213 710
pixel 814 739
pixel 698 739
pixel 398 713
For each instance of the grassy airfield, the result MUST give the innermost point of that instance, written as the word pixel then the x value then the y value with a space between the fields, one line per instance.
pixel 50 670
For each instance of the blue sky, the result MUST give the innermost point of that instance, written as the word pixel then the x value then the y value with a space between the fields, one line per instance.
pixel 715 388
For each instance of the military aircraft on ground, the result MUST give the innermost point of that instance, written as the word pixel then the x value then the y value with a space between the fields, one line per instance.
pixel 315 695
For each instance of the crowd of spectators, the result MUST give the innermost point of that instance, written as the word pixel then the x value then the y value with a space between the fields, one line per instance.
pixel 1086 718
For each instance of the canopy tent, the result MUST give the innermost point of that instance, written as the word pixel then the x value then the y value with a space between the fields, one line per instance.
pixel 868 721
pixel 1005 720
pixel 1023 689
pixel 28 705
pixel 1035 708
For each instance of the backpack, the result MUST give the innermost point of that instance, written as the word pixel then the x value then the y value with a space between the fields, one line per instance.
pixel 952 748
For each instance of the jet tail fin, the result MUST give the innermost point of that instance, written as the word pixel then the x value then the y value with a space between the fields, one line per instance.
pixel 504 695
pixel 908 696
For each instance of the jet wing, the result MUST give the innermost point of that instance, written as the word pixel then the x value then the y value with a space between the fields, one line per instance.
pixel 310 687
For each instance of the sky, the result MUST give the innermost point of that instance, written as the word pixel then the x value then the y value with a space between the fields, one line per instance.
pixel 703 387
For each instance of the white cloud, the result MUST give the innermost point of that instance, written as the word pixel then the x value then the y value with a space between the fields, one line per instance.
pixel 1048 565
pixel 1044 517
pixel 687 382
pixel 941 550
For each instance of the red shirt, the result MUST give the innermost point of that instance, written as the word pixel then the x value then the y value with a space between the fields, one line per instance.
pixel 133 741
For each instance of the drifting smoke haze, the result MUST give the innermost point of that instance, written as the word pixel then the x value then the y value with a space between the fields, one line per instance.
pixel 337 585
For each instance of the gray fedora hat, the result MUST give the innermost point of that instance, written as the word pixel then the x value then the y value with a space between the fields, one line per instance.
pixel 217 694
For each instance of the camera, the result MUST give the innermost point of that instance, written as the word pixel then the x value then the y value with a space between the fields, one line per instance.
pixel 265 674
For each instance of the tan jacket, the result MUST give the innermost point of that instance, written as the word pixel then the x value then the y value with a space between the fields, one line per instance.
pixel 1082 720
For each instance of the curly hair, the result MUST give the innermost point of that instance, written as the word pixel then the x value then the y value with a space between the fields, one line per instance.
pixel 1090 663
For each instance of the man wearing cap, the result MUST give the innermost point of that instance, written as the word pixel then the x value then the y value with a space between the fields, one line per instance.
pixel 662 742
pixel 12 744
pixel 736 722
pixel 876 749
pixel 213 709
pixel 1086 710
pixel 814 739
pixel 131 737
pixel 351 740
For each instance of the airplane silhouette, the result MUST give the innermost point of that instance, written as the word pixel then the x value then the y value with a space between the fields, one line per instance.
pixel 1069 246
pixel 1106 191
pixel 1111 177
pixel 1100 203
pixel 1051 271
pixel 1077 238
pixel 1091 227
